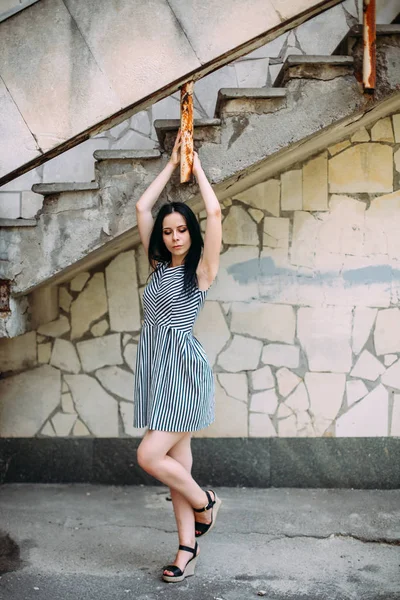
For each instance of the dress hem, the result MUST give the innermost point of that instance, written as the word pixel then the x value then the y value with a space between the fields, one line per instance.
pixel 174 430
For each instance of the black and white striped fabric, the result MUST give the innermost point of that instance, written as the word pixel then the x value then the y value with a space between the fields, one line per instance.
pixel 174 382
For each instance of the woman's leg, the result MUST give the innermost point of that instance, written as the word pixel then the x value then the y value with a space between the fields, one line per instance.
pixel 184 515
pixel 153 457
pixel 182 452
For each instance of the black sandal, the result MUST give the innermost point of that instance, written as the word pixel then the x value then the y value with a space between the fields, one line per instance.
pixel 214 505
pixel 188 571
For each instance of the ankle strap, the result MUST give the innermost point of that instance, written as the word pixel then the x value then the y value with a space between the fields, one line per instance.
pixel 192 550
pixel 210 504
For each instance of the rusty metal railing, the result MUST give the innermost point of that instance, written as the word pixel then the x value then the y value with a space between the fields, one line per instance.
pixel 187 131
pixel 369 37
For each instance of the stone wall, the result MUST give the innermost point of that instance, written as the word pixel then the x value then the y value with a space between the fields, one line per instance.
pixel 301 326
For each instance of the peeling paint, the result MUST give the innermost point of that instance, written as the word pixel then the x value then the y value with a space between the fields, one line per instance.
pixel 373 274
pixel 249 271
pixel 246 272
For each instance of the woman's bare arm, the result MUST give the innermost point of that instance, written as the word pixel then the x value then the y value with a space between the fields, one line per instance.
pixel 208 266
pixel 146 202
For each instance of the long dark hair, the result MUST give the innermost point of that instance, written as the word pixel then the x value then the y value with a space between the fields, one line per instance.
pixel 158 251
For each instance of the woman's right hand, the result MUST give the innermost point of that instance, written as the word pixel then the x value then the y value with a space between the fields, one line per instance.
pixel 176 150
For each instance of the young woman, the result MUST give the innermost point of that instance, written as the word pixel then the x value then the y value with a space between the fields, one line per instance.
pixel 174 385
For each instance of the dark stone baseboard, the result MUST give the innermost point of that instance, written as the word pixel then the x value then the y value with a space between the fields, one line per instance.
pixel 362 463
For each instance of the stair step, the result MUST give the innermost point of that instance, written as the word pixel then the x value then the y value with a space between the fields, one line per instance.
pixel 385 29
pixel 253 95
pixel 126 154
pixel 312 67
pixel 18 222
pixel 47 189
pixel 164 126
pixel 352 38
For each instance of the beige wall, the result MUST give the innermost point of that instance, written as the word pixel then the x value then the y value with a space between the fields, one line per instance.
pixel 302 324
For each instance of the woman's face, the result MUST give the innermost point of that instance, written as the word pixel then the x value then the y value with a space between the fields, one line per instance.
pixel 176 234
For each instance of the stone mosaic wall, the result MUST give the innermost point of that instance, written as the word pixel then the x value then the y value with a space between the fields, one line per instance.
pixel 301 326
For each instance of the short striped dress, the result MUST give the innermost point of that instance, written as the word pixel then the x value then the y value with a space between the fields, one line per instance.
pixel 174 382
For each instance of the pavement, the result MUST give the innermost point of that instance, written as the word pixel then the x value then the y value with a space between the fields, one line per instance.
pixel 93 542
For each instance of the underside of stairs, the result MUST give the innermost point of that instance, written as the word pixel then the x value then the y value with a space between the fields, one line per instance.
pixel 256 133
pixel 105 61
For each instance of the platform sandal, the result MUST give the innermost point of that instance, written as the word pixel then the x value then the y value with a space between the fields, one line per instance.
pixel 214 505
pixel 188 571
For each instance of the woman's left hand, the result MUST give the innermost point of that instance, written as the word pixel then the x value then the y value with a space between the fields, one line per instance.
pixel 176 150
pixel 197 168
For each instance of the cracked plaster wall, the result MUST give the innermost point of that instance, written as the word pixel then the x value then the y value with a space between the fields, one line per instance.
pixel 301 326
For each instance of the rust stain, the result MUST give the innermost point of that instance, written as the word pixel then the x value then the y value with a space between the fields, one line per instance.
pixel 369 37
pixel 187 131
pixel 4 296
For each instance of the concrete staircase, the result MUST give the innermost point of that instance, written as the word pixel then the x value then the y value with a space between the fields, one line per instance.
pixel 255 133
pixel 105 61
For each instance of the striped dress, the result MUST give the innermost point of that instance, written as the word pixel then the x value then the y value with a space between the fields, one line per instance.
pixel 174 383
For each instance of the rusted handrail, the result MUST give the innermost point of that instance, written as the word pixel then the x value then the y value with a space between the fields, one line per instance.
pixel 369 36
pixel 187 131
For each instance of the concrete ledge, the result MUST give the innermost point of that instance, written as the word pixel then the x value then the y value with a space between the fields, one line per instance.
pixel 18 222
pixel 386 29
pixel 226 94
pixel 46 189
pixel 313 67
pixel 125 154
pixel 295 59
pixel 162 126
pixel 363 463
pixel 232 93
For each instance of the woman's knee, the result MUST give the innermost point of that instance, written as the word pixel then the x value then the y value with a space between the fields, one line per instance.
pixel 148 459
pixel 144 458
pixel 153 449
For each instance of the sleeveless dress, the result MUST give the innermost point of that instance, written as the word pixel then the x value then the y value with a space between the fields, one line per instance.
pixel 174 382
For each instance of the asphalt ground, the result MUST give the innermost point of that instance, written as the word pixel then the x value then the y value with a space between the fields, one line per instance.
pixel 79 541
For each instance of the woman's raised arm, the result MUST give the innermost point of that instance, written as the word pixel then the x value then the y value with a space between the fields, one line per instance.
pixel 146 202
pixel 209 263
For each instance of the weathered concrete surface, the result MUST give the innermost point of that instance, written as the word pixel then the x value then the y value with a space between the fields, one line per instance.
pixel 387 63
pixel 17 320
pixel 106 60
pixel 111 542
